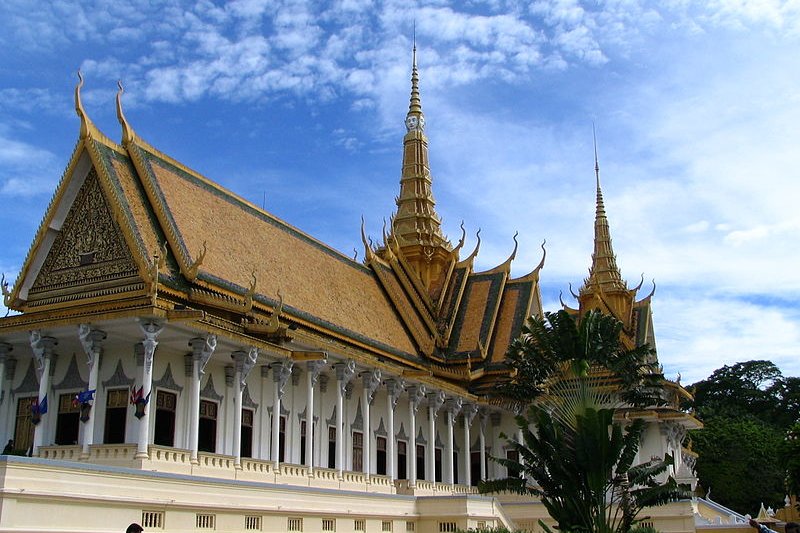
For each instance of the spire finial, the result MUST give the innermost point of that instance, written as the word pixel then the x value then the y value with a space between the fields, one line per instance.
pixel 127 132
pixel 596 163
pixel 414 44
pixel 601 211
pixel 415 120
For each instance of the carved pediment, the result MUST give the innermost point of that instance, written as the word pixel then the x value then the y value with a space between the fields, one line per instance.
pixel 89 255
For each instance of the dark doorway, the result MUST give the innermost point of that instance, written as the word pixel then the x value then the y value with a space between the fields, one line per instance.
pixel 402 467
pixel 116 414
pixel 331 447
pixel 247 433
pixel 164 434
pixel 207 427
pixel 420 461
pixel 68 421
pixel 23 430
pixel 380 456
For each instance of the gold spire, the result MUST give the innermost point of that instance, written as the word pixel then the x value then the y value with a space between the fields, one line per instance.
pixel 604 273
pixel 416 227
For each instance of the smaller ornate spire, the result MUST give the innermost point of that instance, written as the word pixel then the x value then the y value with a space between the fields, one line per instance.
pixel 604 272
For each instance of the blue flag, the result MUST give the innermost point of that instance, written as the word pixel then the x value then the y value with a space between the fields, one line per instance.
pixel 43 405
pixel 86 396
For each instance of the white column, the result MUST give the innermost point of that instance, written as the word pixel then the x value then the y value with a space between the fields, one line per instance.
pixel 452 408
pixel 496 447
pixel 482 444
pixel 43 352
pixel 238 358
pixel 435 402
pixel 132 430
pixel 415 395
pixel 344 373
pixel 5 349
pixel 150 330
pixel 394 388
pixel 229 406
pixel 281 372
pixel 469 411
pixel 264 426
pixel 371 381
pixel 91 340
pixel 313 369
pixel 244 363
pixel 202 350
pixel 8 412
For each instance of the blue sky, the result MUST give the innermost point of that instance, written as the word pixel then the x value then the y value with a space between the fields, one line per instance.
pixel 300 106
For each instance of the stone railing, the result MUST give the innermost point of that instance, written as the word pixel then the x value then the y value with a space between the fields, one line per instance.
pixel 462 489
pixel 113 454
pixel 179 461
pixel 60 453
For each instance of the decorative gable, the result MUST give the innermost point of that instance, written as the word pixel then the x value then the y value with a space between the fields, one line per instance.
pixel 89 256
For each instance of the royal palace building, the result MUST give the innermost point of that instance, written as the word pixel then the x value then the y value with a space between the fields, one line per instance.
pixel 182 358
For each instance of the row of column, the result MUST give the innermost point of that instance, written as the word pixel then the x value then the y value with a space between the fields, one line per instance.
pixel 244 361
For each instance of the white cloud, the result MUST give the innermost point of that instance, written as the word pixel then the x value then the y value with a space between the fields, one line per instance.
pixel 701 335
pixel 25 169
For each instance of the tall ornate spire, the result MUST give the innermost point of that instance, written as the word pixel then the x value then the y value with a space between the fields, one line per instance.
pixel 416 227
pixel 604 273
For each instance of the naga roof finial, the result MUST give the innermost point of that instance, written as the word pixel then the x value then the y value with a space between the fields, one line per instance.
pixel 79 107
pixel 367 247
pixel 127 132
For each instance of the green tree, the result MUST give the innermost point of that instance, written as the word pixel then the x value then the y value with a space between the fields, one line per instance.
pixel 574 376
pixel 739 459
pixel 747 389
pixel 747 409
pixel 791 458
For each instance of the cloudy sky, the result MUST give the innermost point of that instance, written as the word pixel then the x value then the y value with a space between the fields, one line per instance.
pixel 300 106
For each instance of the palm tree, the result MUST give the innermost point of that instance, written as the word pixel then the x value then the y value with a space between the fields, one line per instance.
pixel 574 377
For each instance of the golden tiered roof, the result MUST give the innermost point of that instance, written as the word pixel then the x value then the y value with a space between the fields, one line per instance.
pixel 133 232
